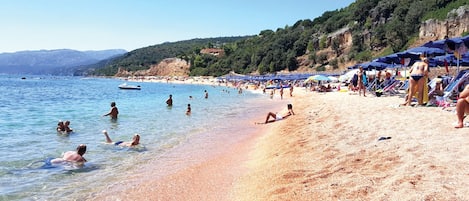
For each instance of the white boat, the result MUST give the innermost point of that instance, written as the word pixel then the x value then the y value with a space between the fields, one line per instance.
pixel 132 87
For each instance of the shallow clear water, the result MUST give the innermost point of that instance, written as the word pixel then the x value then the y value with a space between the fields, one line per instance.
pixel 30 109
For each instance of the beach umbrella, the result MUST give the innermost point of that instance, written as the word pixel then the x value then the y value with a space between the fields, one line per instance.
pixel 333 79
pixel 375 65
pixel 441 44
pixel 416 52
pixel 348 75
pixel 449 45
pixel 390 59
pixel 315 78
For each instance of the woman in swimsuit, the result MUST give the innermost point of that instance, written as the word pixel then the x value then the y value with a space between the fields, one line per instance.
pixel 417 79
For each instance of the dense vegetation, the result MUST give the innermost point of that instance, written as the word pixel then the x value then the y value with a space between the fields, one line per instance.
pixel 144 57
pixel 377 27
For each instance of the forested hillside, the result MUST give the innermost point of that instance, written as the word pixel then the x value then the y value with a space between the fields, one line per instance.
pixel 143 58
pixel 360 32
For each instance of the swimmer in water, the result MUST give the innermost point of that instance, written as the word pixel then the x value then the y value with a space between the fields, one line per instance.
pixel 134 142
pixel 72 156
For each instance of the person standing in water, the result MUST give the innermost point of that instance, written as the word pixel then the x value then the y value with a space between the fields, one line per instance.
pixel 188 112
pixel 169 102
pixel 114 111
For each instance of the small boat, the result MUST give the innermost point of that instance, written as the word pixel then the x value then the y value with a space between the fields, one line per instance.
pixel 132 87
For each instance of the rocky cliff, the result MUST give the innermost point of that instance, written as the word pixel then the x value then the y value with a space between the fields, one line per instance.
pixel 457 22
pixel 167 67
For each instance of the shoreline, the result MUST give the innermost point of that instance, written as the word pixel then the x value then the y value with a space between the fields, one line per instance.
pixel 199 175
pixel 330 150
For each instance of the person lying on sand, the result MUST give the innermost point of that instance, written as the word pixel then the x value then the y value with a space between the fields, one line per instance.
pixel 277 117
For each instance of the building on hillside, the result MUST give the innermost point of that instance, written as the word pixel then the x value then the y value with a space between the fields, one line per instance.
pixel 213 51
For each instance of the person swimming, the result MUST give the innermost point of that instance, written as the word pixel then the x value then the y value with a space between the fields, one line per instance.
pixel 72 156
pixel 134 142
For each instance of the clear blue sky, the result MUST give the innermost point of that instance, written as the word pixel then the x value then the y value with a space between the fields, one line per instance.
pixel 132 24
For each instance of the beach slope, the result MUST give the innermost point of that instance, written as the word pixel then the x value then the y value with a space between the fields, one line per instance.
pixel 341 146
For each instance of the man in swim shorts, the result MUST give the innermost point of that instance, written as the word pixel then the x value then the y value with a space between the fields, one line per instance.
pixel 114 111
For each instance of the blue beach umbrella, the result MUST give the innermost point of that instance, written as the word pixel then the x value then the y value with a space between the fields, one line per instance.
pixel 390 59
pixel 375 65
pixel 416 52
pixel 449 45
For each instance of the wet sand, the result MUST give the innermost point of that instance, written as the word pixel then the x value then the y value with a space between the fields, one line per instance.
pixel 329 150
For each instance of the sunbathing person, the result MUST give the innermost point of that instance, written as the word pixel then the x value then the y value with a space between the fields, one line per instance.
pixel 277 117
pixel 462 106
pixel 134 142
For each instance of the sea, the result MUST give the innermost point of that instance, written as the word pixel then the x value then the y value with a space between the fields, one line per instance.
pixel 31 106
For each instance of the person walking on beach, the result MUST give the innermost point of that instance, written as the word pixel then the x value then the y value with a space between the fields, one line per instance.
pixel 169 102
pixel 418 72
pixel 361 81
pixel 114 111
pixel 72 156
pixel 291 90
pixel 281 92
pixel 462 106
pixel 135 140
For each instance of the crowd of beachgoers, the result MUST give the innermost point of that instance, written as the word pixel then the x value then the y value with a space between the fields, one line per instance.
pixel 339 144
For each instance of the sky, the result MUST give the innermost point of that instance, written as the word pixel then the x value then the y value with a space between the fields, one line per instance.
pixel 132 24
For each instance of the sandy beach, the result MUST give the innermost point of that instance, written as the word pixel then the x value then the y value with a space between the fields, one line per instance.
pixel 329 150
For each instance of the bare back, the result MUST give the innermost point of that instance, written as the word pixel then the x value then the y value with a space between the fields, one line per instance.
pixel 419 68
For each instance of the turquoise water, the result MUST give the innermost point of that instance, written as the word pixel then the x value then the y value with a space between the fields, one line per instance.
pixel 30 109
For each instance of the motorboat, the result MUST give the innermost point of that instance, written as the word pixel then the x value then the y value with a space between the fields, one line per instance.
pixel 131 87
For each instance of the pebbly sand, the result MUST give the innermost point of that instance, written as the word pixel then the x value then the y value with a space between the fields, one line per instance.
pixel 329 150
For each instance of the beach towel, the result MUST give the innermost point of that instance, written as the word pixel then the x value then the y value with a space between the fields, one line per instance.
pixel 425 91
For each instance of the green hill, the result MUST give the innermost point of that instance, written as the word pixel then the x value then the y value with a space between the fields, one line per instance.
pixel 376 27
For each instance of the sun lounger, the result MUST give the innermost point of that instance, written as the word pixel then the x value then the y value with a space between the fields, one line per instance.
pixel 452 90
pixel 391 88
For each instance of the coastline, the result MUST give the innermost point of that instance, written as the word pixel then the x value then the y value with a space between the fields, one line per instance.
pixel 329 150
pixel 208 172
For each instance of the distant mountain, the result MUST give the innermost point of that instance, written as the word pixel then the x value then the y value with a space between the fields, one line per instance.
pixel 56 62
